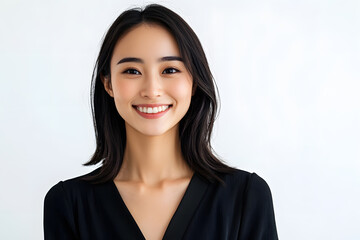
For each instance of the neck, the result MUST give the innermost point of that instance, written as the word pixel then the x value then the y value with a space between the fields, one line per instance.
pixel 153 159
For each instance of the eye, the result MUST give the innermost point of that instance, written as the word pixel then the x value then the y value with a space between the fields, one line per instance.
pixel 132 71
pixel 170 71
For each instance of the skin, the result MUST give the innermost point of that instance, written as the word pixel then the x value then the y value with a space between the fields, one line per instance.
pixel 154 175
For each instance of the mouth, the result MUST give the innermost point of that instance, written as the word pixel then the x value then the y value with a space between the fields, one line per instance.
pixel 152 108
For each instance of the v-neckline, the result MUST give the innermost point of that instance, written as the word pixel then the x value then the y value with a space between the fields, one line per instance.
pixel 182 216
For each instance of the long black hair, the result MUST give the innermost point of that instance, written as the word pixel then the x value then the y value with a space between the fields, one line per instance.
pixel 195 127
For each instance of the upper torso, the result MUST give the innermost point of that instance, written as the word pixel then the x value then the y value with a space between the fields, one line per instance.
pixel 240 209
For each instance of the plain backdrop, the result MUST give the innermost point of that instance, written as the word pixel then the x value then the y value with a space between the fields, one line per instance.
pixel 288 78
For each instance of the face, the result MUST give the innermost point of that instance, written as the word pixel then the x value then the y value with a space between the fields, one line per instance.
pixel 149 82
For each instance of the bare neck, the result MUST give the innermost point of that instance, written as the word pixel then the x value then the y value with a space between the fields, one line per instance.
pixel 153 159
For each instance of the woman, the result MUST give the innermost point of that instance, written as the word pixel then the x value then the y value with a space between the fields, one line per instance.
pixel 154 105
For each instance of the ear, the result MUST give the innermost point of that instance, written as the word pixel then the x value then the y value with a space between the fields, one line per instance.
pixel 107 84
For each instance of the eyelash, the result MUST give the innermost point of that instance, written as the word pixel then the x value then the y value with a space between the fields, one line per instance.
pixel 132 70
pixel 176 70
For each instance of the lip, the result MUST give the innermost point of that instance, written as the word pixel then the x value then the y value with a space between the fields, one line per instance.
pixel 152 115
pixel 151 105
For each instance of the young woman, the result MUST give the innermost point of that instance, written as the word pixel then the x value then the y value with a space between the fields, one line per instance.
pixel 154 105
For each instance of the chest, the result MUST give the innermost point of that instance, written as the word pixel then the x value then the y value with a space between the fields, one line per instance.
pixel 152 208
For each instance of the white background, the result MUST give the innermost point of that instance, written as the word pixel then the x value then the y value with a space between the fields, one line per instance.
pixel 288 76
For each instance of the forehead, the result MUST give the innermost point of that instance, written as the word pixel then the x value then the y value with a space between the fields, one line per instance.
pixel 146 41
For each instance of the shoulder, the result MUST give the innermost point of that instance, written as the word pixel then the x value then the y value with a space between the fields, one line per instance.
pixel 69 189
pixel 247 184
pixel 61 202
pixel 242 177
pixel 254 199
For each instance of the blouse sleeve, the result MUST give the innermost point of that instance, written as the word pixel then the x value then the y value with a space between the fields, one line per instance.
pixel 258 220
pixel 58 215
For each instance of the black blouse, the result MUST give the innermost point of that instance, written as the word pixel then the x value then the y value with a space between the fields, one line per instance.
pixel 240 209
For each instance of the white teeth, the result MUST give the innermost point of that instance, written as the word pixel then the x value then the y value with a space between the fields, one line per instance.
pixel 152 110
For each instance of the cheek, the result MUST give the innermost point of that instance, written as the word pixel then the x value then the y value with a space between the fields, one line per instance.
pixel 182 90
pixel 123 90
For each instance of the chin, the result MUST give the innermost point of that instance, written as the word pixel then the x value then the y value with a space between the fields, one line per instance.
pixel 150 129
pixel 153 132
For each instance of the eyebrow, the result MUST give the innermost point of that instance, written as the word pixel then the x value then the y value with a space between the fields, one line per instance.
pixel 139 60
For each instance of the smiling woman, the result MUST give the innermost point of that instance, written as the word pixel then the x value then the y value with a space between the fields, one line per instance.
pixel 154 105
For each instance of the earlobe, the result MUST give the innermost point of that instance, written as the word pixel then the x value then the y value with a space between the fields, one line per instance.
pixel 107 84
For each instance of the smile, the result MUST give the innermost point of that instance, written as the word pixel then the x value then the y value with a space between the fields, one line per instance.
pixel 152 112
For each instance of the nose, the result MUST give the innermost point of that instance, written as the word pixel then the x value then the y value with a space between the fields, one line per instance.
pixel 152 86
